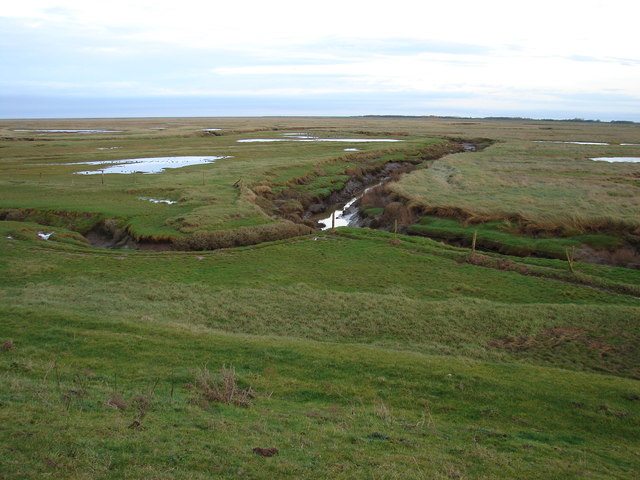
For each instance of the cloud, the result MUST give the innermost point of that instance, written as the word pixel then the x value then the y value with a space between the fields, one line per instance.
pixel 499 53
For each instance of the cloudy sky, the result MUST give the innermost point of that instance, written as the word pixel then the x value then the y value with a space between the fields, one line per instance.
pixel 542 59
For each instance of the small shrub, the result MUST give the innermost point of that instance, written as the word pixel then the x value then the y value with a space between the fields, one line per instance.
pixel 225 389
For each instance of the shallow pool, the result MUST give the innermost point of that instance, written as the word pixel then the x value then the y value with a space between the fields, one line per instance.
pixel 145 165
pixel 573 143
pixel 304 138
pixel 69 131
pixel 617 159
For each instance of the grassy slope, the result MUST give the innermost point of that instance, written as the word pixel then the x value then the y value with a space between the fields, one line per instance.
pixel 371 359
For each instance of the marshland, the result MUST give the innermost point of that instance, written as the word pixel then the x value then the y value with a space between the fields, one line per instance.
pixel 479 318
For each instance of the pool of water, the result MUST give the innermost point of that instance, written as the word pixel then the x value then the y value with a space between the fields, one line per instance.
pixel 617 159
pixel 158 200
pixel 315 139
pixel 145 165
pixel 573 143
pixel 69 131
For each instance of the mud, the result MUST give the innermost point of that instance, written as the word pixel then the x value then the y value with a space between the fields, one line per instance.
pixel 102 239
pixel 119 239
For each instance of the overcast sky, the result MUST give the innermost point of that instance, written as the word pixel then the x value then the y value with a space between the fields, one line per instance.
pixel 551 59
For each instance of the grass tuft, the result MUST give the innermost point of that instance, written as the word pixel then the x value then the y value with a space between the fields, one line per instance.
pixel 223 388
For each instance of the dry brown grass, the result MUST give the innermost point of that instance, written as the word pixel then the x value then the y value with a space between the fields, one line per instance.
pixel 116 401
pixel 220 389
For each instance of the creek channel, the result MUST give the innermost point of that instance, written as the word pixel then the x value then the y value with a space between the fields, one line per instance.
pixel 341 209
pixel 337 210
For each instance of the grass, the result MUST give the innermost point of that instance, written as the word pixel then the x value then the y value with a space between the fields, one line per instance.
pixel 544 187
pixel 36 174
pixel 330 409
pixel 504 237
pixel 354 354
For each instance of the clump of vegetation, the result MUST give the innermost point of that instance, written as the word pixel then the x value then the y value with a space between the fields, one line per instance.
pixel 222 388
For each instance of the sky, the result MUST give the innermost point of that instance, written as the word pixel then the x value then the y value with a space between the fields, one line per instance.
pixel 544 59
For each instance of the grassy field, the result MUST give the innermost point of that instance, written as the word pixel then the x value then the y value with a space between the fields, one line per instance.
pixel 543 183
pixel 37 171
pixel 352 354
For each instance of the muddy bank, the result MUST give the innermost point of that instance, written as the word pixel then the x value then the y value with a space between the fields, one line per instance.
pixel 345 201
pixel 342 207
pixel 114 235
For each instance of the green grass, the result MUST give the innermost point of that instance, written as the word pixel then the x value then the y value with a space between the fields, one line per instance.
pixel 503 237
pixel 372 355
pixel 550 186
pixel 38 175
pixel 331 410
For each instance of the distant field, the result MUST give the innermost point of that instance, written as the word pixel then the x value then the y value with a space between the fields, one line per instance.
pixel 33 174
pixel 545 183
pixel 357 353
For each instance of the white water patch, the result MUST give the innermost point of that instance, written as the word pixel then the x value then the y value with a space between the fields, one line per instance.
pixel 630 144
pixel 351 149
pixel 617 159
pixel 45 236
pixel 157 128
pixel 145 165
pixel 158 200
pixel 69 131
pixel 342 216
pixel 209 129
pixel 107 148
pixel 573 143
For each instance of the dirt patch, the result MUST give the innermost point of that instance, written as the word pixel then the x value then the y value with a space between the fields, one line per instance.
pixel 266 452
pixel 160 246
pixel 627 256
pixel 554 337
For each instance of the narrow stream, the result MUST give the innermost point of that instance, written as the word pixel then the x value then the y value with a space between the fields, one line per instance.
pixel 347 215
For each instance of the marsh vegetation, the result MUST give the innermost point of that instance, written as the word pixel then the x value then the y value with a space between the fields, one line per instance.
pixel 277 350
